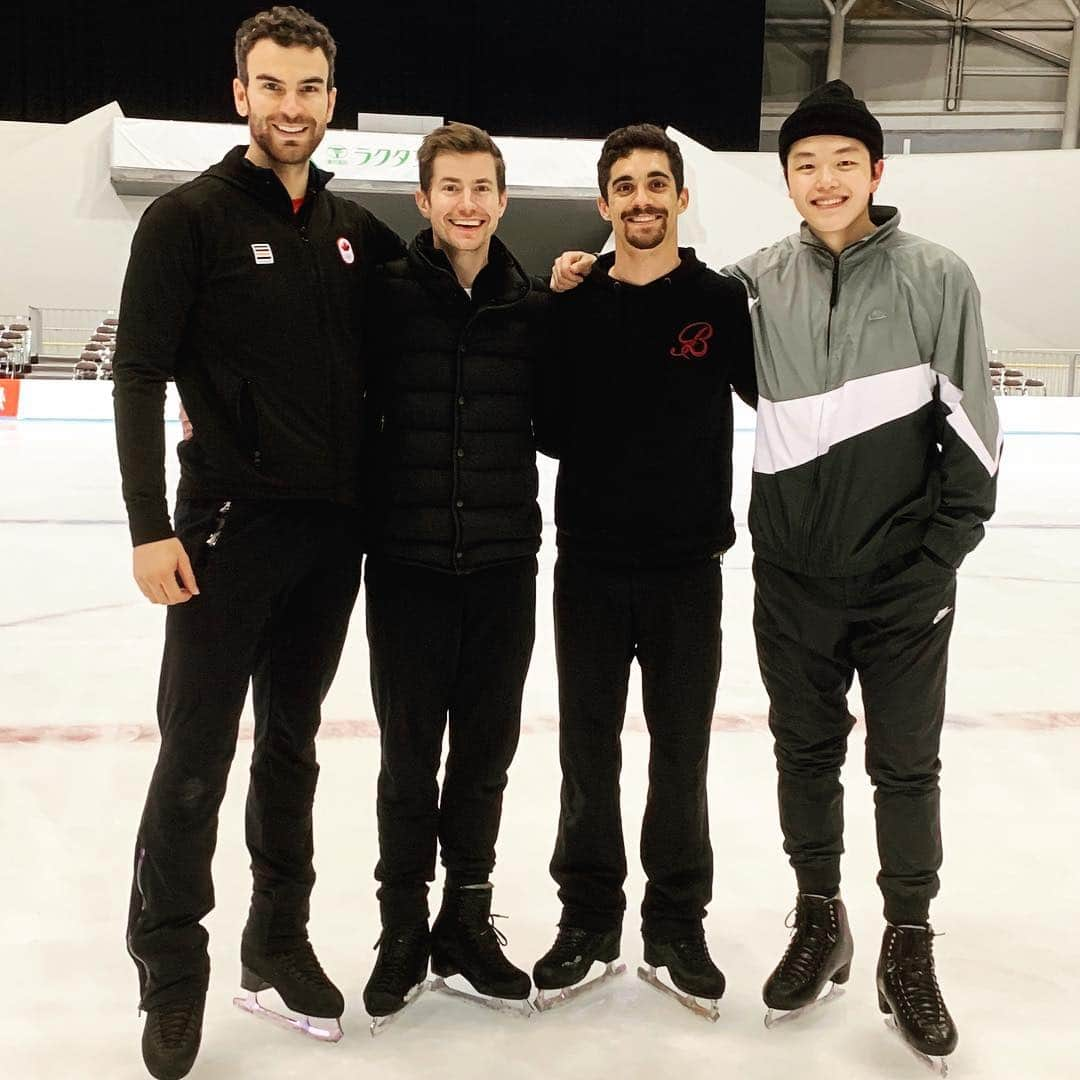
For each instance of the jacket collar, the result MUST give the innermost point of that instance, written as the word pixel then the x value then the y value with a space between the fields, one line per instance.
pixel 887 222
pixel 689 266
pixel 502 281
pixel 234 168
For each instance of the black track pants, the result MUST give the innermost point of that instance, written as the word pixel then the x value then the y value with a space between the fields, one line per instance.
pixel 670 620
pixel 278 582
pixel 813 634
pixel 444 646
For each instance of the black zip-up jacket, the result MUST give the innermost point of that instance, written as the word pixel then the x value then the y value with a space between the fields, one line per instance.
pixel 258 314
pixel 452 393
pixel 640 414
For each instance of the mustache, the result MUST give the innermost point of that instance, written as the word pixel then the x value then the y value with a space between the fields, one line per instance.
pixel 645 210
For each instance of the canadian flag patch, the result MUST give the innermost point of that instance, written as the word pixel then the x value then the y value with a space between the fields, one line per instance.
pixel 348 256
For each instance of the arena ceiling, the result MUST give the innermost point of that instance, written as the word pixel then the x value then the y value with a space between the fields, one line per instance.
pixel 1047 44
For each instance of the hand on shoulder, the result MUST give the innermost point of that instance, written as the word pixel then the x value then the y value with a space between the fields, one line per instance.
pixel 570 269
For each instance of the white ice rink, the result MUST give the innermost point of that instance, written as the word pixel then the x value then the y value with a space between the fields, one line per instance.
pixel 79 651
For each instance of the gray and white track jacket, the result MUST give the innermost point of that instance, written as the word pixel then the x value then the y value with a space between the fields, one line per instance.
pixel 877 430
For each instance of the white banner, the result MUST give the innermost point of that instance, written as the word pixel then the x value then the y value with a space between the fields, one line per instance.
pixel 567 166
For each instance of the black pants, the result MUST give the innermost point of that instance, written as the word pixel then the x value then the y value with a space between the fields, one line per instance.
pixel 670 620
pixel 813 634
pixel 277 581
pixel 444 645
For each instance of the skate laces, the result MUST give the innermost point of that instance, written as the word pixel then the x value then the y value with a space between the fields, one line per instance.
pixel 173 1023
pixel 487 932
pixel 809 939
pixel 915 973
pixel 396 954
pixel 478 918
pixel 693 949
pixel 568 943
pixel 302 964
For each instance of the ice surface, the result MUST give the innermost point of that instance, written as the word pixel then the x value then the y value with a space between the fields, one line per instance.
pixel 80 651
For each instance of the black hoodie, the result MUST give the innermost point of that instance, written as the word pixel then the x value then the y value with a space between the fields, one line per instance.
pixel 639 414
pixel 257 313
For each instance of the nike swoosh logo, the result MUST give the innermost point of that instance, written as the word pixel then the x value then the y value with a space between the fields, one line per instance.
pixel 875 315
pixel 941 615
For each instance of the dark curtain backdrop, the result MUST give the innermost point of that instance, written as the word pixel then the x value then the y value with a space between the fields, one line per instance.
pixel 553 67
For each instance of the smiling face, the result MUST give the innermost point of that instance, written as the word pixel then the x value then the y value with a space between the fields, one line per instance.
pixel 286 102
pixel 463 202
pixel 642 201
pixel 830 179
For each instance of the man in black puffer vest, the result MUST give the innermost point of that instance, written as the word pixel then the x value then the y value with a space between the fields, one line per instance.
pixel 451 576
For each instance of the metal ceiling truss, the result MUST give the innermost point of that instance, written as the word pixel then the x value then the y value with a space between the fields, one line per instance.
pixel 957 25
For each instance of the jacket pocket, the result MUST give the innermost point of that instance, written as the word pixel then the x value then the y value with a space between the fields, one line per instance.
pixel 200 525
pixel 247 422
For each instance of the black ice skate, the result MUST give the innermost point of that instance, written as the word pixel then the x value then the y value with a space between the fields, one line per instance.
pixel 171 1036
pixel 819 952
pixel 399 973
pixel 560 974
pixel 464 941
pixel 698 983
pixel 908 991
pixel 302 985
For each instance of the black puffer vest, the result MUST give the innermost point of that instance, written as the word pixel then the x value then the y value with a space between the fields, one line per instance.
pixel 452 400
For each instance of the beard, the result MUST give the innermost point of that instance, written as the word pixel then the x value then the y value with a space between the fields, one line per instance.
pixel 294 151
pixel 646 241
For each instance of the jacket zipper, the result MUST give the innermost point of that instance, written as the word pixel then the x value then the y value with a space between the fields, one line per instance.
pixel 142 896
pixel 459 401
pixel 246 398
pixel 313 258
pixel 815 481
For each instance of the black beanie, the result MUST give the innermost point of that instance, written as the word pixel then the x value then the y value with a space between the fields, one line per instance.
pixel 832 109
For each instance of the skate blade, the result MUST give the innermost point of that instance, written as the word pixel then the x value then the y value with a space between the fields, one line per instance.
pixel 775 1017
pixel 706 1008
pixel 550 999
pixel 322 1029
pixel 511 1007
pixel 381 1023
pixel 937 1065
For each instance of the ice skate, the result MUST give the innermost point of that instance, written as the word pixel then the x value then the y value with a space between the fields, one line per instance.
pixel 399 973
pixel 465 943
pixel 908 992
pixel 697 983
pixel 314 1004
pixel 561 974
pixel 171 1037
pixel 816 963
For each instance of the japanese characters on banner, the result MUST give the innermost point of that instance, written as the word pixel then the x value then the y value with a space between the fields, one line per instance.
pixel 176 146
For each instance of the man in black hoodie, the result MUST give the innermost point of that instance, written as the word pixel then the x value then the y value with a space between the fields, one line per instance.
pixel 451 579
pixel 247 286
pixel 640 416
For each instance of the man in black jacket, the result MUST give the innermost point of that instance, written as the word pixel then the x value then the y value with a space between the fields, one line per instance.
pixel 247 286
pixel 649 348
pixel 451 578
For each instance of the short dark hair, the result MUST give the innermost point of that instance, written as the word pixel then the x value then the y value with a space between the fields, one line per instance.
pixel 286 26
pixel 457 138
pixel 625 140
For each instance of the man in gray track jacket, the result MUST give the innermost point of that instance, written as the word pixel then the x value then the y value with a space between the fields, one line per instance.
pixel 874 470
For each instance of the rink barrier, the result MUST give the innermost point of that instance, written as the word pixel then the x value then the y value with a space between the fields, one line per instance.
pixel 367 728
pixel 70 399
pixel 92 400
